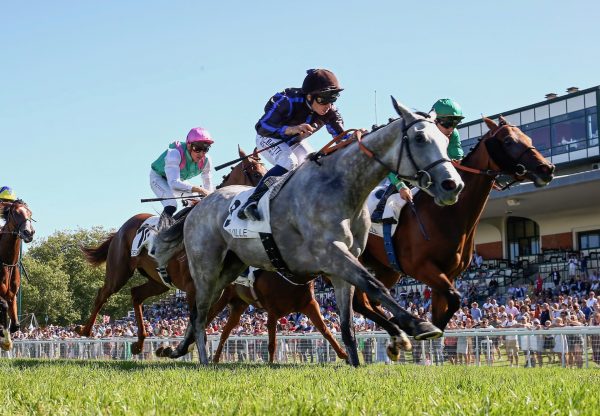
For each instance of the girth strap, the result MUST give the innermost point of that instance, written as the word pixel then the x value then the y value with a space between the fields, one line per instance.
pixel 275 255
pixel 389 248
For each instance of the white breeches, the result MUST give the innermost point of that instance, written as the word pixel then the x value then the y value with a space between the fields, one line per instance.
pixel 162 190
pixel 284 155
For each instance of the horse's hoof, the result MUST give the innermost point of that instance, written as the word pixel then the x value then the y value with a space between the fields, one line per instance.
pixel 393 353
pixel 15 328
pixel 6 346
pixel 342 355
pixel 136 348
pixel 426 330
pixel 159 352
pixel 80 330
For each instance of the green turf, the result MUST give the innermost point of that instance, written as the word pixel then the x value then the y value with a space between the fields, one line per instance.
pixel 177 388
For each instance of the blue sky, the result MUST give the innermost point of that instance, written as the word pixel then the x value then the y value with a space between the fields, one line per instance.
pixel 92 92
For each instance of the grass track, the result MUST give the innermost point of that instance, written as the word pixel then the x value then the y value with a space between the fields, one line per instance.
pixel 176 388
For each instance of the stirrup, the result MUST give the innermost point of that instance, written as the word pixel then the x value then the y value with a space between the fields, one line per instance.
pixel 251 212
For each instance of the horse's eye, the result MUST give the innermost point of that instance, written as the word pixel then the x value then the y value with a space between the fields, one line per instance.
pixel 420 138
pixel 507 141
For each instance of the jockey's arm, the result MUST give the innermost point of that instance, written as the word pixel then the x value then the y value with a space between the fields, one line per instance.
pixel 172 172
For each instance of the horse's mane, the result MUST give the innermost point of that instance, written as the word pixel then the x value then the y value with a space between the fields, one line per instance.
pixel 472 150
pixel 376 127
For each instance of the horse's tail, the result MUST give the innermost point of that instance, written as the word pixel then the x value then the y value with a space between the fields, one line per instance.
pixel 168 242
pixel 96 256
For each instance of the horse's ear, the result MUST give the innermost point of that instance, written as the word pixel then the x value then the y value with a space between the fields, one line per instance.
pixel 490 123
pixel 403 111
pixel 503 121
pixel 241 152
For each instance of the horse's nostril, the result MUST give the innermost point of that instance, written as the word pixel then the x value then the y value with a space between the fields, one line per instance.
pixel 449 185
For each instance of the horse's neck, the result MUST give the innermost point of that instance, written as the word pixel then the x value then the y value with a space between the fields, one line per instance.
pixel 361 172
pixel 10 247
pixel 477 189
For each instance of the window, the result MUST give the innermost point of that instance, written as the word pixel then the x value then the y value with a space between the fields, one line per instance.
pixel 523 237
pixel 589 240
pixel 591 123
pixel 568 132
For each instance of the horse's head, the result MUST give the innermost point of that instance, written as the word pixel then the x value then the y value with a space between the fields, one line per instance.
pixel 248 172
pixel 18 220
pixel 512 152
pixel 423 159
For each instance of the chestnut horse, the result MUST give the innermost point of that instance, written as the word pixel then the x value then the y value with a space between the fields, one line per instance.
pixel 120 265
pixel 279 298
pixel 504 149
pixel 17 228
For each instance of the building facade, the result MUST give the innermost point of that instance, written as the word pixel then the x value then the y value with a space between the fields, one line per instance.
pixel 525 221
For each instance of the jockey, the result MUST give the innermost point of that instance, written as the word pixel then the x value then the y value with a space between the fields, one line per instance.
pixel 448 116
pixel 7 195
pixel 292 115
pixel 170 171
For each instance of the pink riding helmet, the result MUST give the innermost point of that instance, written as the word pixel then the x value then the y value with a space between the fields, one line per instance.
pixel 199 134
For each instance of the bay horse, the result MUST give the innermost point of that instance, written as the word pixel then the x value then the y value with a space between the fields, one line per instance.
pixel 17 229
pixel 437 261
pixel 115 251
pixel 275 295
pixel 319 222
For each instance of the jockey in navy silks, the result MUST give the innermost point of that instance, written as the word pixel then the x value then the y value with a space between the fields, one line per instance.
pixel 293 115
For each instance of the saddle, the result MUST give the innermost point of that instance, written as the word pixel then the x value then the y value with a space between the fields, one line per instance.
pixel 393 208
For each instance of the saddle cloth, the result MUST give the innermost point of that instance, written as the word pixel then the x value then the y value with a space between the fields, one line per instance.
pixel 393 207
pixel 144 237
pixel 239 228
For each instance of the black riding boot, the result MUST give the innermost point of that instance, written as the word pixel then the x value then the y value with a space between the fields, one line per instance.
pixel 166 218
pixel 377 215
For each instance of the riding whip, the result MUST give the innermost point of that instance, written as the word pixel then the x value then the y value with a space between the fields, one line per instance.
pixel 239 159
pixel 173 197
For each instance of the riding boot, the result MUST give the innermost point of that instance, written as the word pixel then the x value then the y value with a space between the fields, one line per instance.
pixel 377 215
pixel 166 218
pixel 249 211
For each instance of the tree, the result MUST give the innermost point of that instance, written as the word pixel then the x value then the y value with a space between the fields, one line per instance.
pixel 62 285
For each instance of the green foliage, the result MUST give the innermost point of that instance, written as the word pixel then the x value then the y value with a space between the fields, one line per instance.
pixel 62 285
pixel 166 388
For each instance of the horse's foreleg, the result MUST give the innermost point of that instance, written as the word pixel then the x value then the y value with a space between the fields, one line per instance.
pixel 238 307
pixel 399 340
pixel 138 295
pixel 14 316
pixel 445 299
pixel 272 329
pixel 343 296
pixel 5 340
pixel 345 266
pixel 314 314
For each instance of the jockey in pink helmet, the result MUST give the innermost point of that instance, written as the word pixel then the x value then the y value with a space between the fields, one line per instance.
pixel 180 162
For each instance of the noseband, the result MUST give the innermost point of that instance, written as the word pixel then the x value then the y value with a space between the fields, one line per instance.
pixel 422 176
pixel 496 150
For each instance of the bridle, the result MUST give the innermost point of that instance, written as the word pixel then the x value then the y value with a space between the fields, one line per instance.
pixel 19 228
pixel 422 176
pixel 249 169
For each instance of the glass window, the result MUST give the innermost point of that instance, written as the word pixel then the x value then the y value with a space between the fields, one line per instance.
pixel 464 133
pixel 591 124
pixel 542 112
pixel 527 116
pixel 557 109
pixel 570 133
pixel 475 130
pixel 514 119
pixel 575 103
pixel 522 236
pixel 540 137
pixel 589 239
pixel 590 100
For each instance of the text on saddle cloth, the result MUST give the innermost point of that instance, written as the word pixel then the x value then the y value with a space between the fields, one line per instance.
pixel 239 228
pixel 393 207
pixel 144 237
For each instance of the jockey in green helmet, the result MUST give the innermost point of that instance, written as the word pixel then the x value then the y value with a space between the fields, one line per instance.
pixel 448 116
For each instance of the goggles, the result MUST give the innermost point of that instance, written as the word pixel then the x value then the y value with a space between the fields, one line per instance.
pixel 199 147
pixel 327 98
pixel 449 122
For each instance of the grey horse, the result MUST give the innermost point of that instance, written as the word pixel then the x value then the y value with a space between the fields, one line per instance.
pixel 319 222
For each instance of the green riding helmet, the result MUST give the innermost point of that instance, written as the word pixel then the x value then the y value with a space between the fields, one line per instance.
pixel 446 107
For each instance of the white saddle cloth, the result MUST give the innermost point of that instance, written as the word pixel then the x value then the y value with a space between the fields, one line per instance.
pixel 144 238
pixel 393 207
pixel 239 228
